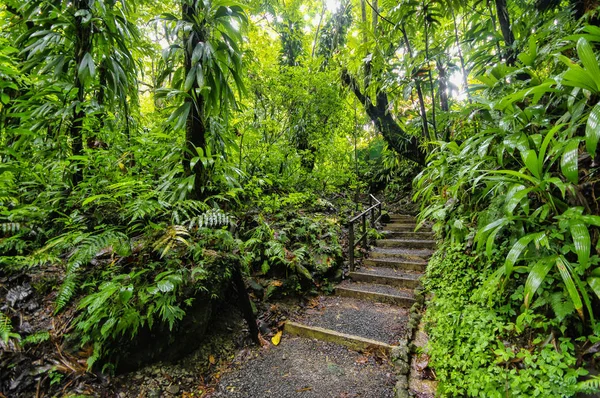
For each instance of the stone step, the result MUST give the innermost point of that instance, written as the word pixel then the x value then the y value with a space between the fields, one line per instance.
pixel 418 255
pixel 420 235
pixel 405 227
pixel 366 319
pixel 400 218
pixel 386 276
pixel 406 265
pixel 406 243
pixel 377 293
pixel 355 343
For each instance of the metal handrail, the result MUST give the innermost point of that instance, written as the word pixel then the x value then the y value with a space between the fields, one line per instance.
pixel 374 204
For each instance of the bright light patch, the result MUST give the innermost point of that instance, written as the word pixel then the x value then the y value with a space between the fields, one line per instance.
pixel 332 5
pixel 457 80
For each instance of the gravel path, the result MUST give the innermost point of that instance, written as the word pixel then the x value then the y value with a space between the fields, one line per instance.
pixel 308 369
pixel 376 321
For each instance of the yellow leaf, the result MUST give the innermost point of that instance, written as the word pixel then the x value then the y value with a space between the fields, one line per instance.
pixel 277 338
pixel 211 359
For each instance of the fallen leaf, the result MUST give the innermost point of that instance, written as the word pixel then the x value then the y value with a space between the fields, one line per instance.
pixel 211 359
pixel 362 359
pixel 277 338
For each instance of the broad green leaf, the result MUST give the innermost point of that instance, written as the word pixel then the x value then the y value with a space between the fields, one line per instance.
pixel 516 250
pixel 189 79
pixel 536 277
pixel 594 283
pixel 565 274
pixel 531 161
pixel 581 240
pixel 588 58
pixel 482 233
pixel 569 161
pixel 592 130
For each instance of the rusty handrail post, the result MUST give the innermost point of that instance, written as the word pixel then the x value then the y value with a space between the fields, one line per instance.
pixel 365 236
pixel 351 246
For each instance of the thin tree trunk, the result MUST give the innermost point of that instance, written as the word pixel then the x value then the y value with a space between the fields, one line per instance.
pixel 83 46
pixel 431 88
pixel 363 15
pixel 374 13
pixel 318 30
pixel 493 18
pixel 422 108
pixel 460 55
pixel 195 129
pixel 443 87
pixel 245 303
pixel 509 38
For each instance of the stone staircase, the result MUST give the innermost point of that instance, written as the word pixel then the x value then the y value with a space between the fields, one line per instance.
pixel 354 343
pixel 370 309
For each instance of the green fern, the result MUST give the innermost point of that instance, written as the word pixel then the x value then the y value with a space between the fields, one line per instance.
pixel 88 247
pixel 589 386
pixel 6 330
pixel 213 218
pixel 36 338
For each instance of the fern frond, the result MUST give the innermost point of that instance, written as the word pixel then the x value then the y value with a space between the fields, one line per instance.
pixel 36 338
pixel 173 234
pixel 89 247
pixel 6 330
pixel 213 218
pixel 589 386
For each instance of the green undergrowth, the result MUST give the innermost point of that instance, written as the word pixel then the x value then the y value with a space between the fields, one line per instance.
pixel 482 346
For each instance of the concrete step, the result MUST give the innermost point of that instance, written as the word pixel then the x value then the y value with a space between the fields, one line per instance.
pixel 401 218
pixel 418 255
pixel 404 227
pixel 377 293
pixel 420 235
pixel 355 343
pixel 400 264
pixel 406 243
pixel 386 276
pixel 366 319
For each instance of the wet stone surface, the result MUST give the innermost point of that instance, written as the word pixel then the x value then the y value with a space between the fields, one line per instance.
pixel 382 322
pixel 377 288
pixel 307 368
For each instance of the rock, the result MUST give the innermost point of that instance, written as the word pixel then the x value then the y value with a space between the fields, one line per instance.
pixel 155 393
pixel 402 394
pixel 402 367
pixel 18 293
pixel 256 287
pixel 402 383
pixel 173 389
pixel 400 351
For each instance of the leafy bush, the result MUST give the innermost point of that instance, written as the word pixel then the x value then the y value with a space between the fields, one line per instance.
pixel 481 350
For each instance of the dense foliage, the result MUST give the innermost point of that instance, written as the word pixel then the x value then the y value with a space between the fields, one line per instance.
pixel 150 150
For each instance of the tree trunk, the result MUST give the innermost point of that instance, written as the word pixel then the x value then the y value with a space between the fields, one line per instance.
pixel 363 16
pixel 493 18
pixel 431 88
pixel 509 37
pixel 422 108
pixel 404 144
pixel 195 128
pixel 374 13
pixel 83 46
pixel 460 56
pixel 312 55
